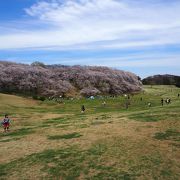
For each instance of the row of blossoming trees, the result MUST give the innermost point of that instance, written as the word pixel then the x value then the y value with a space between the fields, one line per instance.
pixel 58 80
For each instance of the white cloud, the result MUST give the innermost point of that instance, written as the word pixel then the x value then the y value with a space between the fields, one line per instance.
pixel 135 60
pixel 97 24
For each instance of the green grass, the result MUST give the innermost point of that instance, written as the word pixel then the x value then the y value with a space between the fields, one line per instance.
pixel 169 134
pixel 57 121
pixel 72 163
pixel 154 114
pixel 103 143
pixel 65 120
pixel 68 163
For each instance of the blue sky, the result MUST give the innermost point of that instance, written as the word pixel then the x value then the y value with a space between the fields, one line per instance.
pixel 142 36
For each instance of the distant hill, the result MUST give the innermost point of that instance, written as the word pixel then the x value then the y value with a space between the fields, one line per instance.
pixel 58 80
pixel 162 80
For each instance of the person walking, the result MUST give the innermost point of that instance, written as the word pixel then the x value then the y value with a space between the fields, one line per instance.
pixel 162 102
pixel 83 109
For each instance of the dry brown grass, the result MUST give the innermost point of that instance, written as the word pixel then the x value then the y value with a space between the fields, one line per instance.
pixel 129 144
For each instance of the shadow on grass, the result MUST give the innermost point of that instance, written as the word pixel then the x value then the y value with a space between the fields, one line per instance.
pixel 10 139
pixel 65 136
pixel 100 161
pixel 168 135
pixel 69 163
pixel 97 123
pixel 18 132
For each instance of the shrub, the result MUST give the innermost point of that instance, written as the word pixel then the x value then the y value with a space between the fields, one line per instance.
pixel 41 98
pixel 35 97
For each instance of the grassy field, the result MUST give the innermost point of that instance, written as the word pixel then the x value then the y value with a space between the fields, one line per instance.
pixel 56 141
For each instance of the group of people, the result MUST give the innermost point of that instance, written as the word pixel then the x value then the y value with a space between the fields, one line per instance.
pixel 167 101
pixel 6 123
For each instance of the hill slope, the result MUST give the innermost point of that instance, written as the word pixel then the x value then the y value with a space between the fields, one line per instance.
pixel 162 80
pixel 58 80
pixel 56 141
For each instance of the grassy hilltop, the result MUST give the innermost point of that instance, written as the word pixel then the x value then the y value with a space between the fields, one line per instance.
pixel 55 141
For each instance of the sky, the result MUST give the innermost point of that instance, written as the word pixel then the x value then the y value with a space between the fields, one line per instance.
pixel 141 36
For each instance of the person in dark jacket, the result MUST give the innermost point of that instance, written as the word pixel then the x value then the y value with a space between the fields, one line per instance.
pixel 162 102
pixel 83 109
